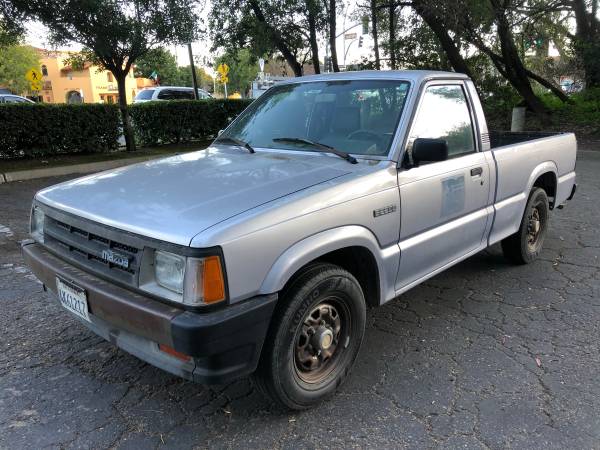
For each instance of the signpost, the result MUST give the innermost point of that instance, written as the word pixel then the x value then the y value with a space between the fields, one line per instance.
pixel 223 70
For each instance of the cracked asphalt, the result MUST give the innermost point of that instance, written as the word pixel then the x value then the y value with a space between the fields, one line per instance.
pixel 485 355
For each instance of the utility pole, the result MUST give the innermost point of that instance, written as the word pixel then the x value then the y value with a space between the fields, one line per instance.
pixel 194 81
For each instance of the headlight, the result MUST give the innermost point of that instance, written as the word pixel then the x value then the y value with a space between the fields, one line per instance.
pixel 169 270
pixel 36 224
pixel 199 281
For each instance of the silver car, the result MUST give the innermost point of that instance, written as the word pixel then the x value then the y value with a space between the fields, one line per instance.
pixel 260 254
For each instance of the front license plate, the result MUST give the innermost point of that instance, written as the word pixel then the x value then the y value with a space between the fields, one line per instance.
pixel 73 298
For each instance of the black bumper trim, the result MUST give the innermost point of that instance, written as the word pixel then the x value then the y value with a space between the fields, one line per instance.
pixel 227 343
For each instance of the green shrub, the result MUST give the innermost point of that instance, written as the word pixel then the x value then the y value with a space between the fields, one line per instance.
pixel 163 122
pixel 29 130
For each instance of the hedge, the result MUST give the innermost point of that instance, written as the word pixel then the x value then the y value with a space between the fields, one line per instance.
pixel 182 120
pixel 29 130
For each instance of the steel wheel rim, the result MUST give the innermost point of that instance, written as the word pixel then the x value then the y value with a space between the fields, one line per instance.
pixel 321 340
pixel 535 226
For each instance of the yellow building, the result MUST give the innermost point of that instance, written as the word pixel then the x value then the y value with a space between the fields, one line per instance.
pixel 63 84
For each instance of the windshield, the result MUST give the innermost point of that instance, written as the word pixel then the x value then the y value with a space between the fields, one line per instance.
pixel 357 117
pixel 146 94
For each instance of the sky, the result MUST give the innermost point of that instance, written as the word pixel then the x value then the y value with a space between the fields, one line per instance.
pixel 37 35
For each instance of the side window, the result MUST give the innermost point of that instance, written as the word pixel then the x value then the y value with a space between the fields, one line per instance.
pixel 166 94
pixel 444 114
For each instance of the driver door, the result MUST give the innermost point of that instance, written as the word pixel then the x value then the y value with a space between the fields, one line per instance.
pixel 444 205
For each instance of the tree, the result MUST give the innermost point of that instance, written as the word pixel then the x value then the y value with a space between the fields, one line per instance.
pixel 15 61
pixel 331 11
pixel 115 33
pixel 184 78
pixel 11 24
pixel 161 61
pixel 243 68
pixel 263 27
pixel 587 39
pixel 374 31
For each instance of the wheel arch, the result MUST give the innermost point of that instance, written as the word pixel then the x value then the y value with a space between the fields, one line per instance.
pixel 544 176
pixel 353 248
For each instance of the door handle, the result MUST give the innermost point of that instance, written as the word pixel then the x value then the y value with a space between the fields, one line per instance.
pixel 477 171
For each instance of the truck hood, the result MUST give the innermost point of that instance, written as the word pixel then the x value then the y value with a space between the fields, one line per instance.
pixel 175 198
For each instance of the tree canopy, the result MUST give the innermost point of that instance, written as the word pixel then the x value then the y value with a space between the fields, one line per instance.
pixel 115 33
pixel 15 61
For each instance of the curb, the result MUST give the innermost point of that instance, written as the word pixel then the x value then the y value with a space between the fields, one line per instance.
pixel 22 175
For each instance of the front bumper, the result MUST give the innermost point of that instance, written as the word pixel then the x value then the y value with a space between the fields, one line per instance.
pixel 224 344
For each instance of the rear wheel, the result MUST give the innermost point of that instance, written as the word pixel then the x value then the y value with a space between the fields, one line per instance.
pixel 316 333
pixel 526 244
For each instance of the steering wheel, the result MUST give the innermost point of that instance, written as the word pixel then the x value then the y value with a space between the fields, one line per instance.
pixel 366 135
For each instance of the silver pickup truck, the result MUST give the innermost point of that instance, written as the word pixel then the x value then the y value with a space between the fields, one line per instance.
pixel 260 254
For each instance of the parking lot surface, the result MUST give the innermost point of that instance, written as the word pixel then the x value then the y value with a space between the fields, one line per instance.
pixel 485 355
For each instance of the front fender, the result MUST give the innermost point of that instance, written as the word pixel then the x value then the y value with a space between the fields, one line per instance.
pixel 317 245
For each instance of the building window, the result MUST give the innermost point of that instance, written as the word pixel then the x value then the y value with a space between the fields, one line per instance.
pixel 44 71
pixel 74 97
pixel 109 75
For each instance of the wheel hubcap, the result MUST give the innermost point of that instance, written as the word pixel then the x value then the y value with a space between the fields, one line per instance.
pixel 318 342
pixel 534 227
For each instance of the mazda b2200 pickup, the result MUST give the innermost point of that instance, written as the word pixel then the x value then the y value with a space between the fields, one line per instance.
pixel 261 253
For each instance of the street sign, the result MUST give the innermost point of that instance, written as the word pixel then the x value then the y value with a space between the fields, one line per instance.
pixel 223 69
pixel 261 64
pixel 224 80
pixel 350 36
pixel 35 85
pixel 33 75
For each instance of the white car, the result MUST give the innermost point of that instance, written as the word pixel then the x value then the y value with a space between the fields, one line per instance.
pixel 10 98
pixel 169 93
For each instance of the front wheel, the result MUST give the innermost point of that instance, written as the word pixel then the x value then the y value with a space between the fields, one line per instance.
pixel 526 244
pixel 317 331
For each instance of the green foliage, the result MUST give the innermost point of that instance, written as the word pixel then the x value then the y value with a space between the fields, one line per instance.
pixel 30 130
pixel 183 120
pixel 243 69
pixel 15 60
pixel 161 61
pixel 184 78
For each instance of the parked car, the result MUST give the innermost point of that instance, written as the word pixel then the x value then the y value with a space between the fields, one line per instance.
pixel 169 93
pixel 261 253
pixel 10 98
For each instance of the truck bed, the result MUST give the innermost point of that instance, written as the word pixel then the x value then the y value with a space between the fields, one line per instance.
pixel 521 158
pixel 503 138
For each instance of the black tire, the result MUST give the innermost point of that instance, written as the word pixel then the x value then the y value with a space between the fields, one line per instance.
pixel 322 293
pixel 526 244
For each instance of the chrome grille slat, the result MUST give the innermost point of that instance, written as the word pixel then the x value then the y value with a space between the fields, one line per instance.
pixel 85 248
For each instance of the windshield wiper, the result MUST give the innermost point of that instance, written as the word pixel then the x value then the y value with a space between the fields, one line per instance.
pixel 320 147
pixel 235 141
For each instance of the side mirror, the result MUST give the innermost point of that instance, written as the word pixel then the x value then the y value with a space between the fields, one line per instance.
pixel 429 150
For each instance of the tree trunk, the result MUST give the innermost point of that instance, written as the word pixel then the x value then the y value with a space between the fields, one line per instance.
pixel 312 31
pixel 392 32
pixel 332 35
pixel 587 40
pixel 127 129
pixel 513 65
pixel 374 31
pixel 438 27
pixel 279 42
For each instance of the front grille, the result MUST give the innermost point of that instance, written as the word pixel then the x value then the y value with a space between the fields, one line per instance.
pixel 76 244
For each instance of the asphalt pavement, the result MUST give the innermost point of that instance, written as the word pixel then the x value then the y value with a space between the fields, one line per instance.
pixel 485 355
